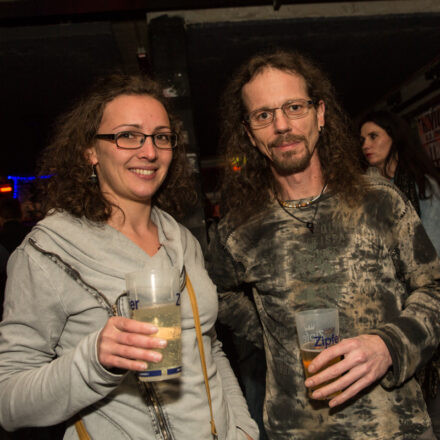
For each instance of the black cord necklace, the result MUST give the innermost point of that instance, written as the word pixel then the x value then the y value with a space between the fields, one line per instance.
pixel 310 224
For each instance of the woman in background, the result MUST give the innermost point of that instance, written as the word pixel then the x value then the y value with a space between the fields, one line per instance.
pixel 389 145
pixel 118 170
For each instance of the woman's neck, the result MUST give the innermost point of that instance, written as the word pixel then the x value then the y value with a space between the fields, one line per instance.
pixel 389 169
pixel 134 221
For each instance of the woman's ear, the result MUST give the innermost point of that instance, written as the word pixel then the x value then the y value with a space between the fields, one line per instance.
pixel 91 156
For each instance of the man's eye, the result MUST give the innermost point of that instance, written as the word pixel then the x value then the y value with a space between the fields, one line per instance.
pixel 294 108
pixel 262 116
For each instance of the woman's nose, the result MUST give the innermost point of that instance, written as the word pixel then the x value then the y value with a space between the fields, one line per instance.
pixel 148 149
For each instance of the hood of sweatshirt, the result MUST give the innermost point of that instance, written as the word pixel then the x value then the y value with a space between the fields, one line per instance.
pixel 103 255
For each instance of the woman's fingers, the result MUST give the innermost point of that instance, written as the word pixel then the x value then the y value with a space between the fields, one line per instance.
pixel 125 343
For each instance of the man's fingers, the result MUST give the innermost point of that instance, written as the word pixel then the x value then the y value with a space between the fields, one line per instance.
pixel 350 391
pixel 328 355
pixel 339 384
pixel 366 359
pixel 329 373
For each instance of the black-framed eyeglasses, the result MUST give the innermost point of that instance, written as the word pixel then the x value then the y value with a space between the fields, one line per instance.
pixel 293 109
pixel 132 140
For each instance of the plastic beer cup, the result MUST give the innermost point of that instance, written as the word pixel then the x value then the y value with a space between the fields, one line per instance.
pixel 317 329
pixel 154 297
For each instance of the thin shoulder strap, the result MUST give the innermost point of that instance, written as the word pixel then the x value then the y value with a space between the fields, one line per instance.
pixel 195 309
pixel 81 430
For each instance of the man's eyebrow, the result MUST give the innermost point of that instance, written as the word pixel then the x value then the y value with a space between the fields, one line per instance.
pixel 139 127
pixel 266 107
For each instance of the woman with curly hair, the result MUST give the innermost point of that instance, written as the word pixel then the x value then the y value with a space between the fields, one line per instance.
pixel 117 170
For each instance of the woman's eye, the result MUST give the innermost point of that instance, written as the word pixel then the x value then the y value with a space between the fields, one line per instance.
pixel 127 135
pixel 162 137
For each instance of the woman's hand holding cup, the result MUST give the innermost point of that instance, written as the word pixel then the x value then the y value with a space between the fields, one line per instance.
pixel 128 344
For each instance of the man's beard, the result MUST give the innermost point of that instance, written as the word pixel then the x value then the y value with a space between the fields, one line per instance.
pixel 290 162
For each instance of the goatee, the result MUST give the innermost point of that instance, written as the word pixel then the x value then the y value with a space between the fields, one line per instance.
pixel 289 162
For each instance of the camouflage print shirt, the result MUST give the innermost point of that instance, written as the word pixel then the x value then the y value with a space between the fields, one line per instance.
pixel 376 265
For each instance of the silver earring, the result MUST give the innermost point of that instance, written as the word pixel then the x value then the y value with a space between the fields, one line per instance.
pixel 93 178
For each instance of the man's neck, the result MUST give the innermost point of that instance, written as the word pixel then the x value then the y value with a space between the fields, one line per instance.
pixel 302 185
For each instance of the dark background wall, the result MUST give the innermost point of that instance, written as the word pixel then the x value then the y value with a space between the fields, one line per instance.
pixel 51 51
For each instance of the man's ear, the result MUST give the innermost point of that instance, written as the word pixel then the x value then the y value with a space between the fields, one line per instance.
pixel 250 134
pixel 320 113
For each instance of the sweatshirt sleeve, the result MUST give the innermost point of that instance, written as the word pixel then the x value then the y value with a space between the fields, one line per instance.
pixel 236 310
pixel 414 334
pixel 37 387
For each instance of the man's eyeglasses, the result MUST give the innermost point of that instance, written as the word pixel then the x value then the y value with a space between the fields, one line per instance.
pixel 293 109
pixel 132 140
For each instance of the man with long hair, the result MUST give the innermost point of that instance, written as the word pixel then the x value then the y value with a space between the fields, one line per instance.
pixel 306 229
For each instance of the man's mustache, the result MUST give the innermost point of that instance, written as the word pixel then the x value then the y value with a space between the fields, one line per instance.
pixel 287 139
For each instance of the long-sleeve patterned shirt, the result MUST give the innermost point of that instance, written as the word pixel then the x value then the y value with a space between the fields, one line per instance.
pixel 374 263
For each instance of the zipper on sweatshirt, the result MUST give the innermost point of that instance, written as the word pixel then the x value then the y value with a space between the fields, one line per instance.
pixel 146 389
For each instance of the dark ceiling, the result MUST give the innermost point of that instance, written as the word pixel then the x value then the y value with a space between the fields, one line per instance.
pixel 51 50
pixel 365 57
pixel 12 10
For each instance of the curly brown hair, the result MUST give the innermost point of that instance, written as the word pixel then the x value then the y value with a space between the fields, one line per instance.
pixel 247 192
pixel 64 160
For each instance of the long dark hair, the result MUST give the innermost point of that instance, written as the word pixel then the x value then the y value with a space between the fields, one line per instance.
pixel 65 161
pixel 247 192
pixel 412 157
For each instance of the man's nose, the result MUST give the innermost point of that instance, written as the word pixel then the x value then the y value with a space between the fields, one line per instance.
pixel 280 121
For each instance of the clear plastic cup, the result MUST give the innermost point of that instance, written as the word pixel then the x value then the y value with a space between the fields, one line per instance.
pixel 154 297
pixel 317 330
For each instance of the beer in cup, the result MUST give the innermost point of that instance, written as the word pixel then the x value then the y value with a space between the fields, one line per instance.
pixel 317 329
pixel 154 297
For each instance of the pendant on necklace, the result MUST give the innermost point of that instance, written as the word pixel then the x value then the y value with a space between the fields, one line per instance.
pixel 310 226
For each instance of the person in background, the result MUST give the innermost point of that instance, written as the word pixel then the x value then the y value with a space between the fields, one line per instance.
pixel 389 145
pixel 118 169
pixel 306 229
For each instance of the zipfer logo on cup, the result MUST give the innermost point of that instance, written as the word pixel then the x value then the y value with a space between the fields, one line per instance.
pixel 322 341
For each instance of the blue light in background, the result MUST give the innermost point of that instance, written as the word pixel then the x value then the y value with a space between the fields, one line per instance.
pixel 17 179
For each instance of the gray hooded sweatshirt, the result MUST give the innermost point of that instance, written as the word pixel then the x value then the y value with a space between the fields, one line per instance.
pixel 49 370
